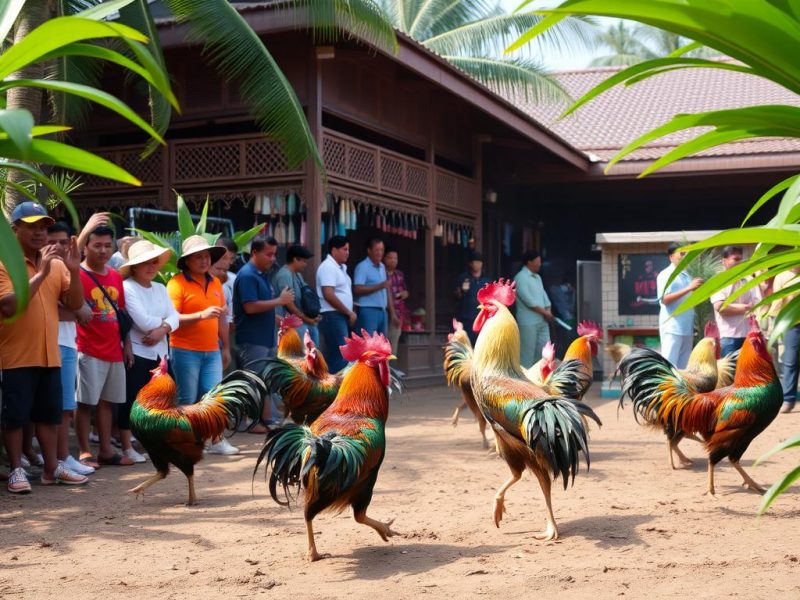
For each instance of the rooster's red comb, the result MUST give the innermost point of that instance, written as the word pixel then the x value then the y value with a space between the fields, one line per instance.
pixel 754 326
pixel 549 351
pixel 291 321
pixel 711 330
pixel 502 290
pixel 355 346
pixel 308 342
pixel 458 325
pixel 590 328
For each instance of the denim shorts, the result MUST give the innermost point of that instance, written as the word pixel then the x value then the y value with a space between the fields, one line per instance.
pixel 69 377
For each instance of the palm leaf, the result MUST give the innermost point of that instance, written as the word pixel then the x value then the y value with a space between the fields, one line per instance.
pixel 9 10
pixel 240 56
pixel 363 19
pixel 778 488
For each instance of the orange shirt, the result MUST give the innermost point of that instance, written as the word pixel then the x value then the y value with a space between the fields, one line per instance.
pixel 190 296
pixel 32 340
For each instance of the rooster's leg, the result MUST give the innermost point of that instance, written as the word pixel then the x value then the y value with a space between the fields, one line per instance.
pixel 139 489
pixel 482 427
pixel 192 496
pixel 673 447
pixel 312 554
pixel 748 481
pixel 384 529
pixel 693 437
pixel 710 491
pixel 500 496
pixel 551 532
pixel 454 419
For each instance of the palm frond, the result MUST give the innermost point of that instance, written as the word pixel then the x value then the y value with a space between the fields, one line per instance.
pixel 512 76
pixel 83 70
pixel 237 52
pixel 365 19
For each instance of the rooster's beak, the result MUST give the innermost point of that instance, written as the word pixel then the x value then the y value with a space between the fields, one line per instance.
pixel 391 357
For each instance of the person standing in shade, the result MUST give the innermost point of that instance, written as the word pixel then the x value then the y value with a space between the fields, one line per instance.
pixel 336 301
pixel 154 318
pixel 466 292
pixel 791 339
pixel 200 348
pixel 676 332
pixel 29 355
pixel 370 287
pixel 533 309
pixel 290 276
pixel 102 355
pixel 399 295
pixel 254 305
pixel 732 319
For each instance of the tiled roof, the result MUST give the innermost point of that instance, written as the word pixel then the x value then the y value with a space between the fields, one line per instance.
pixel 620 115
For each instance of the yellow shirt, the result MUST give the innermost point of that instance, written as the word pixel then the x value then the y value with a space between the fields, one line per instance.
pixel 32 340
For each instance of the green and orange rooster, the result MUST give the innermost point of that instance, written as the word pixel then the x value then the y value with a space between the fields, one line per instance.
pixel 704 372
pixel 290 347
pixel 175 435
pixel 728 418
pixel 533 428
pixel 335 461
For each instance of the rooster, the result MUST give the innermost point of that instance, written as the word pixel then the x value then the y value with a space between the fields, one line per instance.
pixel 175 434
pixel 290 347
pixel 583 350
pixel 541 369
pixel 533 429
pixel 335 460
pixel 704 372
pixel 728 418
pixel 457 361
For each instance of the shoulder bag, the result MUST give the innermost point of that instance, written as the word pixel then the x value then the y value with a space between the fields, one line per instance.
pixel 309 301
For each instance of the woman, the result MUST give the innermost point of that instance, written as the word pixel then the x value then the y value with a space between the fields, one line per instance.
pixel 400 294
pixel 200 301
pixel 154 317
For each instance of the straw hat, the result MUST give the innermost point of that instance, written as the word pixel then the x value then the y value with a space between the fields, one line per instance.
pixel 142 252
pixel 197 243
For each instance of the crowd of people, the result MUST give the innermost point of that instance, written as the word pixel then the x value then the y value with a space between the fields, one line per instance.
pixel 91 332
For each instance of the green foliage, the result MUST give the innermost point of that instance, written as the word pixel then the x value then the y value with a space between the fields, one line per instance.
pixel 786 481
pixel 763 36
pixel 21 139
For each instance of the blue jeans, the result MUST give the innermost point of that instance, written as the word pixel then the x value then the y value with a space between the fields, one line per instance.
pixel 195 373
pixel 371 318
pixel 69 376
pixel 789 368
pixel 729 344
pixel 333 330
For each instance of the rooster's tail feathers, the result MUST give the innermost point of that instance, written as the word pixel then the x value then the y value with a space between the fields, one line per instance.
pixel 569 380
pixel 556 427
pixel 457 362
pixel 240 394
pixel 292 451
pixel 658 392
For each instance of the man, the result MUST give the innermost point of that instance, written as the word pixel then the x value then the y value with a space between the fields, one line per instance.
pixel 791 339
pixel 102 355
pixel 676 332
pixel 533 309
pixel 336 301
pixel 221 270
pixel 254 305
pixel 59 234
pixel 732 320
pixel 291 275
pixel 370 285
pixel 29 356
pixel 466 292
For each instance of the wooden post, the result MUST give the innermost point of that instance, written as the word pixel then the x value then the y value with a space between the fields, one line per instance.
pixel 430 248
pixel 315 190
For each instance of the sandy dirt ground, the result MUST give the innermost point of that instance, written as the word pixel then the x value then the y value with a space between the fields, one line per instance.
pixel 630 527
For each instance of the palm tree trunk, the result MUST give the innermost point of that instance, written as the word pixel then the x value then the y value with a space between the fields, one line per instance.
pixel 33 14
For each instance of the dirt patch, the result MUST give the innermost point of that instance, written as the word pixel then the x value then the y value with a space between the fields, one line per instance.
pixel 630 527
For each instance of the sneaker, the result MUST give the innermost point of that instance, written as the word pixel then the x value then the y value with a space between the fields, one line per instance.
pixel 34 460
pixel 135 456
pixel 787 407
pixel 223 447
pixel 94 438
pixel 73 464
pixel 18 482
pixel 66 476
pixel 115 442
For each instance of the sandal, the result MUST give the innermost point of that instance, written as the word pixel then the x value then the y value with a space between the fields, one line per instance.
pixel 88 460
pixel 116 460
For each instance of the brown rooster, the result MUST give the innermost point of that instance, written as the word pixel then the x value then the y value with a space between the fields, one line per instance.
pixel 533 429
pixel 335 460
pixel 728 418
pixel 175 434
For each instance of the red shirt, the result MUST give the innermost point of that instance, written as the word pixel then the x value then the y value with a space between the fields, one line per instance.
pixel 100 337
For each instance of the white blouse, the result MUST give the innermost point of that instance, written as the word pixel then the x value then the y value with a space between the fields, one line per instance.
pixel 149 308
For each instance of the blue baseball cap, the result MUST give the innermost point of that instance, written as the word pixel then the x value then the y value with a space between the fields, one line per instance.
pixel 30 212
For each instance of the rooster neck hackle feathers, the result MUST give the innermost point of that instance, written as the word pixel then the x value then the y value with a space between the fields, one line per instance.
pixel 290 344
pixel 754 367
pixel 159 393
pixel 497 347
pixel 362 394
